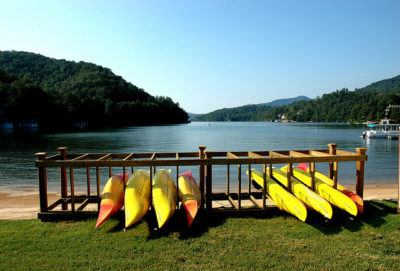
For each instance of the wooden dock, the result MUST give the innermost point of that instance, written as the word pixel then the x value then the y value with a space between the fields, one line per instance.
pixel 72 205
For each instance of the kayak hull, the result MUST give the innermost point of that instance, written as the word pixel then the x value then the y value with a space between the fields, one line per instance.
pixel 189 194
pixel 137 197
pixel 112 198
pixel 306 195
pixel 164 196
pixel 326 191
pixel 354 197
pixel 280 197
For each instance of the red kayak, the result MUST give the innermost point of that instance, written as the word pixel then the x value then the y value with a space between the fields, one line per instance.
pixel 112 198
pixel 190 195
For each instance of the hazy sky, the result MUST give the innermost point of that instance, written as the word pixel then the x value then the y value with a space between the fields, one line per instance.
pixel 212 54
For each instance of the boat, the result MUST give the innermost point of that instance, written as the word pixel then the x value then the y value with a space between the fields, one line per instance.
pixel 137 197
pixel 354 197
pixel 279 196
pixel 384 129
pixel 189 194
pixel 302 192
pixel 112 198
pixel 164 196
pixel 326 191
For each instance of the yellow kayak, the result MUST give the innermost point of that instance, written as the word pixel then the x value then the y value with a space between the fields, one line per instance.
pixel 354 197
pixel 164 196
pixel 112 198
pixel 326 191
pixel 302 192
pixel 137 197
pixel 280 197
pixel 190 195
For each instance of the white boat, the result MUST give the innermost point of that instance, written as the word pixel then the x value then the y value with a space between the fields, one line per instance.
pixel 384 129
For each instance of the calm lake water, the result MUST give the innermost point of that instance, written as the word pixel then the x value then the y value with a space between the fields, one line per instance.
pixel 17 170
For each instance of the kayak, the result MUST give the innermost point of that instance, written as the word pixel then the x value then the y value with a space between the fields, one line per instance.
pixel 137 196
pixel 112 198
pixel 354 197
pixel 164 196
pixel 302 192
pixel 190 195
pixel 279 196
pixel 326 191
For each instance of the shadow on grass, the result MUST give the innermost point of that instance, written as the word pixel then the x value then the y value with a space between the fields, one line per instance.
pixel 178 224
pixel 374 213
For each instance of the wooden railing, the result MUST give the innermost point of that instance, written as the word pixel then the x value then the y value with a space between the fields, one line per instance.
pixel 205 160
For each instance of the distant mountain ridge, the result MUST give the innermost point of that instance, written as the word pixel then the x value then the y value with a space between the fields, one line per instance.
pixel 251 112
pixel 364 104
pixel 280 102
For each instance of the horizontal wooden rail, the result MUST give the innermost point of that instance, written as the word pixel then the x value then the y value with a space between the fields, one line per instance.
pixel 190 162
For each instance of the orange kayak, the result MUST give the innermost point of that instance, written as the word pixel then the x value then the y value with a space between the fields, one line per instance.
pixel 190 195
pixel 112 198
pixel 354 197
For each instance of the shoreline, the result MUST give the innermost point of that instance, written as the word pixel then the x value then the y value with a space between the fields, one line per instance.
pixel 25 204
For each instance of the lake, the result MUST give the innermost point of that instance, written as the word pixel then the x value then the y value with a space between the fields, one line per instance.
pixel 17 170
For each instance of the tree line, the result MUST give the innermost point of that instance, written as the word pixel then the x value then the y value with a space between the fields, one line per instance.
pixel 61 93
pixel 365 104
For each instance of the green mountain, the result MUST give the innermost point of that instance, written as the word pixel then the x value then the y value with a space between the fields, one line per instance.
pixel 251 112
pixel 364 104
pixel 81 91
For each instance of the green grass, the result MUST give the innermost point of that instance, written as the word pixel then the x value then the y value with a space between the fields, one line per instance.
pixel 215 242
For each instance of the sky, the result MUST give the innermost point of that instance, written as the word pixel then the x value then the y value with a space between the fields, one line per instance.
pixel 212 54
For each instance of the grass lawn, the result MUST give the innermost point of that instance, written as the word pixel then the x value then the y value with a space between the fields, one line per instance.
pixel 215 242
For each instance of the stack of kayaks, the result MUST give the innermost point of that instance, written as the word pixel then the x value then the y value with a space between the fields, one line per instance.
pixel 354 197
pixel 320 200
pixel 326 191
pixel 303 193
pixel 279 196
pixel 137 196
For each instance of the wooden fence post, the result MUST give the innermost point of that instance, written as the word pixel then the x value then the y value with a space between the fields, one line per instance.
pixel 42 183
pixel 208 182
pixel 201 175
pixel 332 151
pixel 63 177
pixel 360 173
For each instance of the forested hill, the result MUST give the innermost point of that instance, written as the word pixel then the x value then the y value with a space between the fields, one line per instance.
pixel 251 112
pixel 83 92
pixel 364 104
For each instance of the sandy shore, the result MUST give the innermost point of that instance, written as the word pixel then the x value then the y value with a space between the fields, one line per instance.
pixel 26 205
